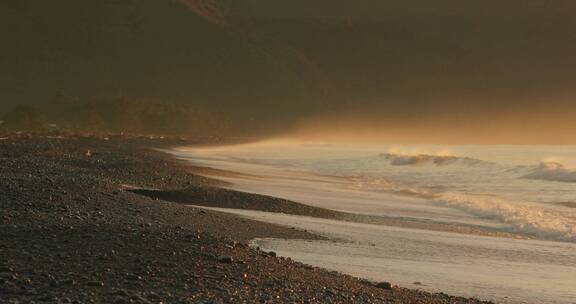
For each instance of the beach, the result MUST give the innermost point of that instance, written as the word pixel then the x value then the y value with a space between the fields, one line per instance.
pixel 493 222
pixel 257 151
pixel 76 228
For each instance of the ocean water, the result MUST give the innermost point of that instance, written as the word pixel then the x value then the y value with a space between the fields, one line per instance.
pixel 495 222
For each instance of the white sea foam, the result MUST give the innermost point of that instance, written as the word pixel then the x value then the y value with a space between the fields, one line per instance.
pixel 525 218
pixel 553 171
pixel 495 188
pixel 426 159
pixel 499 183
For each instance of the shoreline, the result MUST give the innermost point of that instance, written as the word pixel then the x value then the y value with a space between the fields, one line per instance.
pixel 70 232
pixel 227 190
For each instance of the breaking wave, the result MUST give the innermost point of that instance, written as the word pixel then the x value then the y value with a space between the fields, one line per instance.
pixel 426 159
pixel 527 219
pixel 552 171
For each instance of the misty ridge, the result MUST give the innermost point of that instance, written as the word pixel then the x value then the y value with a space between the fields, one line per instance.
pixel 117 115
pixel 255 67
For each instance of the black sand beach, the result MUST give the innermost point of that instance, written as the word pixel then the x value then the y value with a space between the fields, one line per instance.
pixel 73 229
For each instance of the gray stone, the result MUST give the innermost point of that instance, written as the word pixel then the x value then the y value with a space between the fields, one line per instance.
pixel 95 284
pixel 225 259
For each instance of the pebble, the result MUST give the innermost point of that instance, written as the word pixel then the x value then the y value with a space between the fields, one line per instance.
pixel 5 269
pixel 95 284
pixel 120 293
pixel 67 282
pixel 133 277
pixel 225 259
pixel 50 246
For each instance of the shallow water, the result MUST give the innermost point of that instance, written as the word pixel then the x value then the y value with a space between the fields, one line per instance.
pixel 523 190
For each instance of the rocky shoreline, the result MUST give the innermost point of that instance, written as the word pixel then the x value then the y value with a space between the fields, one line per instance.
pixel 71 232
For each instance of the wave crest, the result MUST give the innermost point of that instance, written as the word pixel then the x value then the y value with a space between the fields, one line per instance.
pixel 552 171
pixel 426 159
pixel 525 218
